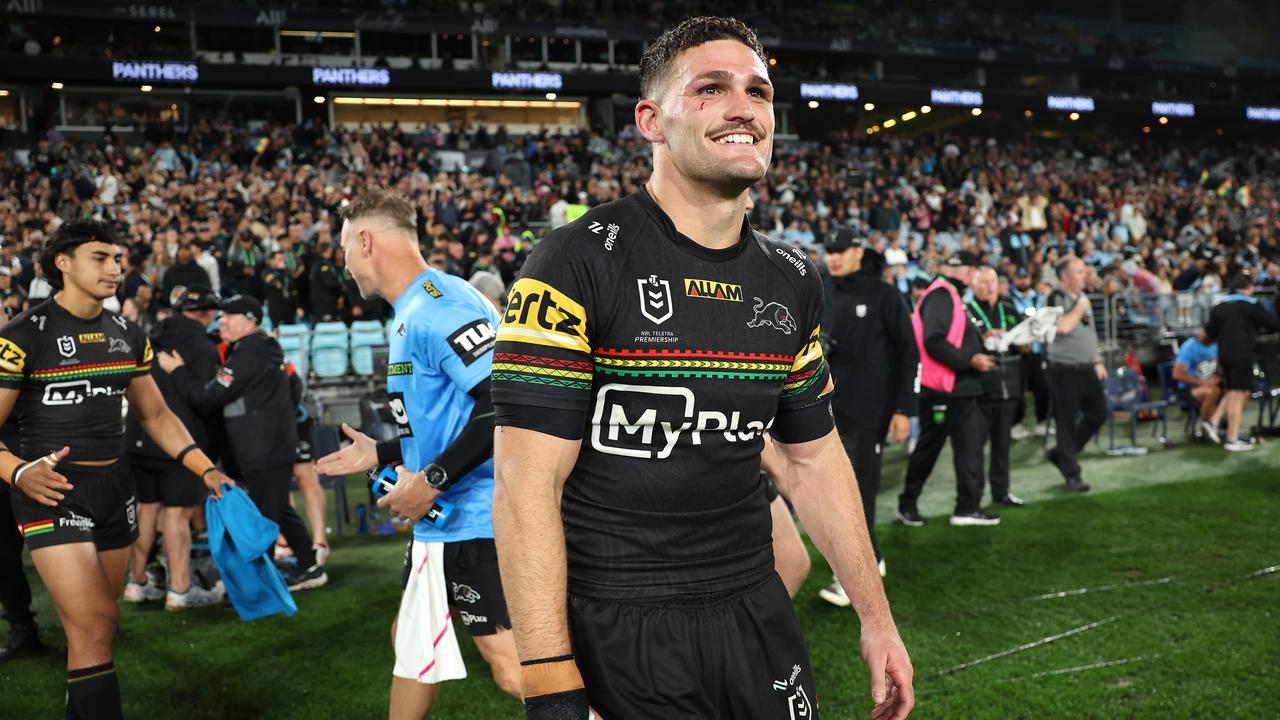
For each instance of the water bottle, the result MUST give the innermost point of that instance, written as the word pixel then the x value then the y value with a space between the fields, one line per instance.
pixel 381 480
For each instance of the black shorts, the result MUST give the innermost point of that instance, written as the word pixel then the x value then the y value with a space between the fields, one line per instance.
pixel 475 587
pixel 1238 375
pixel 304 452
pixel 733 655
pixel 770 490
pixel 166 482
pixel 102 509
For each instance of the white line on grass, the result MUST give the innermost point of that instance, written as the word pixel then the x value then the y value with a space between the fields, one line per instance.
pixel 1026 646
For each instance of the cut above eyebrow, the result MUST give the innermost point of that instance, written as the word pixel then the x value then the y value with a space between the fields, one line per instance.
pixel 726 76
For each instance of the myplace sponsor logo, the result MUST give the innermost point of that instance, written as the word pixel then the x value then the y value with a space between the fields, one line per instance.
pixel 527 81
pixel 158 71
pixel 647 422
pixel 361 77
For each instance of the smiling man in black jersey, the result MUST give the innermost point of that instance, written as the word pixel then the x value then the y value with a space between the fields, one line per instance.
pixel 644 352
pixel 65 366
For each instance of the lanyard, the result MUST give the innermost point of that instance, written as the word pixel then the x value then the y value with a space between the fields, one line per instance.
pixel 986 320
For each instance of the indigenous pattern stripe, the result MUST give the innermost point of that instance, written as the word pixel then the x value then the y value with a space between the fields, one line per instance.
pixel 539 370
pixel 692 363
pixel 39 527
pixel 75 372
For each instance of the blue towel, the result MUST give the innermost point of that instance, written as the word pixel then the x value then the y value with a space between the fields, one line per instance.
pixel 239 540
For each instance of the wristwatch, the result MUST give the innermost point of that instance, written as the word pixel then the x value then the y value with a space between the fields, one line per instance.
pixel 436 477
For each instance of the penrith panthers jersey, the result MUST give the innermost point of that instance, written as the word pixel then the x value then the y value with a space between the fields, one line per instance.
pixel 71 375
pixel 677 358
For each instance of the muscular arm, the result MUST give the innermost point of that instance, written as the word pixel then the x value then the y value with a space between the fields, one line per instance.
pixel 9 461
pixel 1182 374
pixel 1070 320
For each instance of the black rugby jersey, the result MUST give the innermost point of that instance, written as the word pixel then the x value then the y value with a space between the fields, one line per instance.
pixel 680 358
pixel 71 375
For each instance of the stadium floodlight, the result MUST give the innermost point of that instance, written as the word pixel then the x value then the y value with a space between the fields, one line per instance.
pixel 890 123
pixel 319 99
pixel 55 85
pixel 1262 113
pixel 976 112
pixel 908 116
pixel 545 81
pixel 829 91
pixel 953 96
pixel 869 107
pixel 145 88
pixel 925 109
pixel 1071 103
pixel 1173 109
pixel 1074 116
pixel 813 104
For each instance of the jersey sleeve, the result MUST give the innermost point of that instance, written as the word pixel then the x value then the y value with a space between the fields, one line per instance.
pixel 14 346
pixel 804 408
pixel 142 350
pixel 459 343
pixel 543 358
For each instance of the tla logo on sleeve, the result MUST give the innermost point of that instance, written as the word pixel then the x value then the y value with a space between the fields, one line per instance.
pixel 473 340
pixel 655 299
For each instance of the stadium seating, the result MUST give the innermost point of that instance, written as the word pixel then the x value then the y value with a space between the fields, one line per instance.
pixel 365 335
pixel 330 350
pixel 295 340
pixel 1125 391
pixel 1175 398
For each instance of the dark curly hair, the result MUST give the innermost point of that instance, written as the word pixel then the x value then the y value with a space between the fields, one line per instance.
pixel 695 31
pixel 69 236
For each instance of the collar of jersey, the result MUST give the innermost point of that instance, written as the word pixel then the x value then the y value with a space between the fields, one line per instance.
pixel 407 296
pixel 683 241
pixel 72 316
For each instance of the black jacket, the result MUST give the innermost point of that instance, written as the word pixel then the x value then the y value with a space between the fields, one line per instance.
pixel 1004 381
pixel 252 392
pixel 935 316
pixel 1234 325
pixel 326 288
pixel 871 350
pixel 177 333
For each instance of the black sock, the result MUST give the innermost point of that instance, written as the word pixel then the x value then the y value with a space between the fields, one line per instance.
pixel 93 693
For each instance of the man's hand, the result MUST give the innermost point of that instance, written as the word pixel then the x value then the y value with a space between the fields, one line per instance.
pixel 899 428
pixel 359 455
pixel 169 360
pixel 214 479
pixel 891 673
pixel 1101 371
pixel 982 362
pixel 40 481
pixel 411 498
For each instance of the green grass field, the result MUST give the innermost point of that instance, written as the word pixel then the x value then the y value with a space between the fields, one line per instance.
pixel 1155 586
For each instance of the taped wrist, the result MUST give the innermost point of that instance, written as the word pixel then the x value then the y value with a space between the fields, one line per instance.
pixel 567 705
pixel 550 678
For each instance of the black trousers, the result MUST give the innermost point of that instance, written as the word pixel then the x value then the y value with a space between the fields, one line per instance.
pixel 269 489
pixel 15 592
pixel 1079 410
pixel 863 449
pixel 1035 379
pixel 942 418
pixel 998 416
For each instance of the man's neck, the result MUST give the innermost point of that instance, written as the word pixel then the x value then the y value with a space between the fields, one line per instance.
pixel 700 213
pixel 401 275
pixel 80 304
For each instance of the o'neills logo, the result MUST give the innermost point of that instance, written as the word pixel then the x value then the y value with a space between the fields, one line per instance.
pixel 712 290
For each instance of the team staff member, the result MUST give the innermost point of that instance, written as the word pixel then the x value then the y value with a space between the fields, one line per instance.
pixel 251 392
pixel 1196 370
pixel 166 490
pixel 1234 324
pixel 65 365
pixel 634 378
pixel 281 294
pixel 1076 372
pixel 1026 301
pixel 875 365
pixel 1002 387
pixel 951 366
pixel 15 591
pixel 438 370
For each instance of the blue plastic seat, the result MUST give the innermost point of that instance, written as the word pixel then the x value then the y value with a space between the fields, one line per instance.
pixel 330 349
pixel 365 335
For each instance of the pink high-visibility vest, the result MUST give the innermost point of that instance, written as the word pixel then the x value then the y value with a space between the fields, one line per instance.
pixel 933 374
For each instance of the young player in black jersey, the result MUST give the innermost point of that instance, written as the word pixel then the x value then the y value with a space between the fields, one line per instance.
pixel 644 352
pixel 65 364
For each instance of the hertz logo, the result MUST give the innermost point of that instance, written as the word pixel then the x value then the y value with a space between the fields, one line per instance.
pixel 540 314
pixel 12 358
pixel 712 290
pixel 86 338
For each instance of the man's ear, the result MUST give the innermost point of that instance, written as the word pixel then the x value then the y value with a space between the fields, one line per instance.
pixel 649 121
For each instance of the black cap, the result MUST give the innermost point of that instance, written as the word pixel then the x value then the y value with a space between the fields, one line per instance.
pixel 242 305
pixel 194 297
pixel 920 283
pixel 964 258
pixel 841 239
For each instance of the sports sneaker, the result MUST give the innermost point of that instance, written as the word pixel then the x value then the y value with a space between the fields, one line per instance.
pixel 1011 500
pixel 880 567
pixel 312 577
pixel 1211 431
pixel 139 593
pixel 1077 484
pixel 195 596
pixel 834 594
pixel 1238 445
pixel 1019 432
pixel 910 518
pixel 322 553
pixel 974 518
pixel 1042 429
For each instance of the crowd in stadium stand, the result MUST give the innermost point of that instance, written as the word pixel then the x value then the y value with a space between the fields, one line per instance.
pixel 220 199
